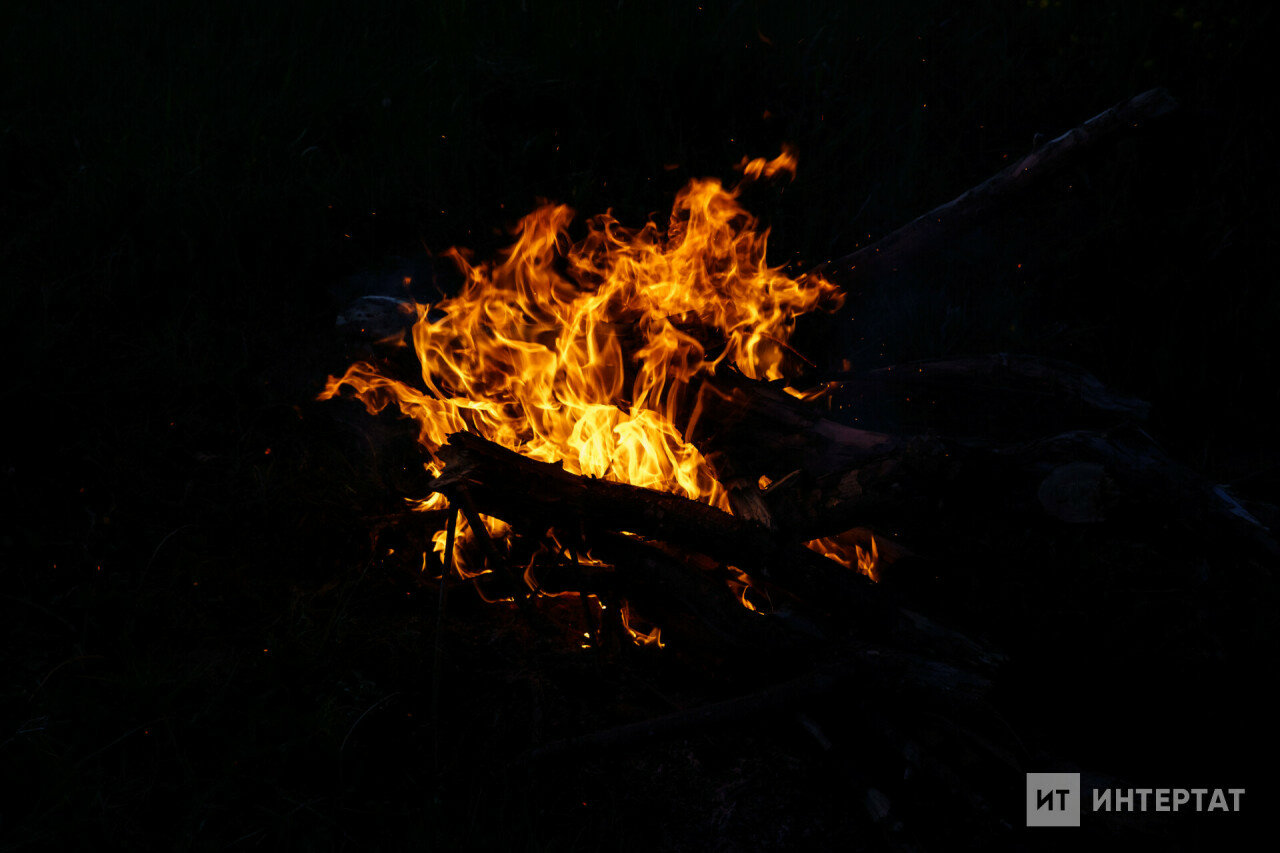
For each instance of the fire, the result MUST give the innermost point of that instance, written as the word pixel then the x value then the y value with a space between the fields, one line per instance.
pixel 589 352
pixel 583 353
pixel 651 638
pixel 848 551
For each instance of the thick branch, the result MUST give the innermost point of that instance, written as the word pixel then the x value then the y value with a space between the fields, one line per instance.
pixel 1002 397
pixel 518 489
pixel 536 495
pixel 962 213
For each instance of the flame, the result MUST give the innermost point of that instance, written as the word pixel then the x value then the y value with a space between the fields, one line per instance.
pixel 869 560
pixel 466 559
pixel 848 552
pixel 588 353
pixel 582 352
pixel 652 637
pixel 742 584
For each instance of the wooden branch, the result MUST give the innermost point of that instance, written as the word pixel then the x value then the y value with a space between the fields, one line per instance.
pixel 1002 431
pixel 437 658
pixel 523 491
pixel 933 416
pixel 1003 397
pixel 748 428
pixel 699 615
pixel 687 601
pixel 927 232
pixel 536 495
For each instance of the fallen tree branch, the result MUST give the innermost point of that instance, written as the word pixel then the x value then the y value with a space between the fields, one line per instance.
pixel 927 232
pixel 1003 397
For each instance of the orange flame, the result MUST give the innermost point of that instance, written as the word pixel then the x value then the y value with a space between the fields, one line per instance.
pixel 652 637
pixel 581 353
pixel 584 352
pixel 850 553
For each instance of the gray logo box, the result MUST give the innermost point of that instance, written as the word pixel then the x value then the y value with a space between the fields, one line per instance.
pixel 1053 799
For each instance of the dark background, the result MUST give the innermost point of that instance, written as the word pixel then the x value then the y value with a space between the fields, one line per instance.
pixel 194 614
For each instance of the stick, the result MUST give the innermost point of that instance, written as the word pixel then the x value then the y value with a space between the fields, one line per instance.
pixel 593 635
pixel 519 592
pixel 693 604
pixel 451 530
pixel 1002 396
pixel 963 212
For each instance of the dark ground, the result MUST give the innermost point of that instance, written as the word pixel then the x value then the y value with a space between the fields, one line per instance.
pixel 205 648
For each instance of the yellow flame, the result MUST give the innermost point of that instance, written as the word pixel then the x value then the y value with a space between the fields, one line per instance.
pixel 850 553
pixel 587 353
pixel 463 561
pixel 653 637
pixel 582 352
pixel 740 584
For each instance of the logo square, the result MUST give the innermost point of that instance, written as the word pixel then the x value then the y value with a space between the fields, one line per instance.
pixel 1053 799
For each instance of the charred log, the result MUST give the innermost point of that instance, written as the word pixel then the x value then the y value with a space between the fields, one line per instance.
pixel 536 495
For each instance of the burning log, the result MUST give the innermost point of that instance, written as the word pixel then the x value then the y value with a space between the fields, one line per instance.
pixel 749 428
pixel 536 495
pixel 698 610
pixel 528 493
pixel 693 602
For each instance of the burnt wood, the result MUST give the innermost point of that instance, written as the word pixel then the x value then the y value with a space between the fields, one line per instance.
pixel 533 496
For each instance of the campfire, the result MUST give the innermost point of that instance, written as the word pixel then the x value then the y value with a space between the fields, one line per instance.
pixel 601 357
pixel 621 438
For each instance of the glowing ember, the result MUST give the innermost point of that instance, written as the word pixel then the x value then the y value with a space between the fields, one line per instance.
pixel 587 353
